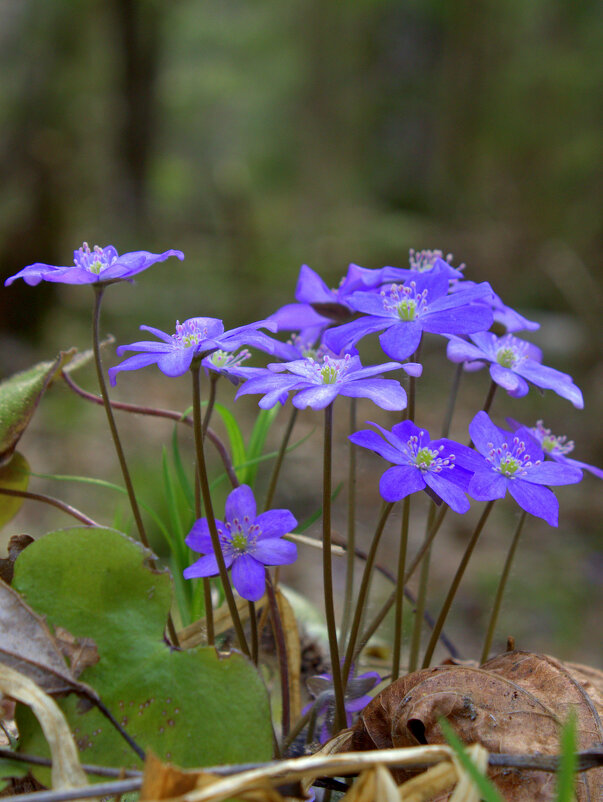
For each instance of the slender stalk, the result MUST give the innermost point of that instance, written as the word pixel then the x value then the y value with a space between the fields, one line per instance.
pixel 415 643
pixel 399 591
pixel 98 296
pixel 490 397
pixel 454 586
pixel 283 658
pixel 377 621
pixel 409 413
pixel 351 542
pixel 213 385
pixel 253 622
pixel 340 719
pixel 280 457
pixel 363 590
pixel 501 589
pixel 54 502
pixel 209 511
pixel 170 414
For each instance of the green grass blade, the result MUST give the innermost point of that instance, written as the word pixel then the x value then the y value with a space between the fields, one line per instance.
pixel 257 440
pixel 568 764
pixel 486 789
pixel 235 436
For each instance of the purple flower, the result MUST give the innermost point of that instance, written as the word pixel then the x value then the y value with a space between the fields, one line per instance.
pixel 419 464
pixel 505 315
pixel 514 362
pixel 317 382
pixel 407 310
pixel 356 698
pixel 555 446
pixel 196 337
pixel 248 542
pixel 423 262
pixel 514 461
pixel 229 365
pixel 93 266
pixel 319 306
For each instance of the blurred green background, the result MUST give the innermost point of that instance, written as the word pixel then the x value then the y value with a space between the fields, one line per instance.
pixel 259 136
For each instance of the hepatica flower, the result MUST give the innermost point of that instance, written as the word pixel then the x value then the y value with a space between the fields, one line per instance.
pixel 514 461
pixel 196 337
pixel 317 382
pixel 91 266
pixel 407 310
pixel 423 262
pixel 513 363
pixel 249 542
pixel 356 699
pixel 419 463
pixel 557 447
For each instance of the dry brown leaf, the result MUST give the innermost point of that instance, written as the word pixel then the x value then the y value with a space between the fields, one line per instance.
pixel 28 646
pixel 66 769
pixel 293 647
pixel 195 634
pixel 374 785
pixel 81 652
pixel 515 704
pixel 164 780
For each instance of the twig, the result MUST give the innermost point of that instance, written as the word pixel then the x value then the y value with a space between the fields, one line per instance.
pixel 100 771
pixel 54 502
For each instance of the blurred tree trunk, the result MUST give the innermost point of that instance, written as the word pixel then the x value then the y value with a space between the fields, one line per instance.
pixel 139 42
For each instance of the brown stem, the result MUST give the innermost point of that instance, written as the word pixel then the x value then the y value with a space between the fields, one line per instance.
pixel 54 502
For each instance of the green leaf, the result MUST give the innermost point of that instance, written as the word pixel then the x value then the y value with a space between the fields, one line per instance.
pixel 257 439
pixel 19 397
pixel 13 476
pixel 192 707
pixel 569 761
pixel 485 787
pixel 235 436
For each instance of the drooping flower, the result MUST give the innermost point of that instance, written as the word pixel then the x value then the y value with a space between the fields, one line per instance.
pixel 555 446
pixel 513 362
pixel 196 337
pixel 356 698
pixel 318 306
pixel 514 461
pixel 407 310
pixel 318 382
pixel 419 463
pixel 249 542
pixel 91 266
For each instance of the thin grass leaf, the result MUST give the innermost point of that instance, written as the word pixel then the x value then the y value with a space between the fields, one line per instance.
pixel 183 480
pixel 569 761
pixel 486 789
pixel 235 436
pixel 257 440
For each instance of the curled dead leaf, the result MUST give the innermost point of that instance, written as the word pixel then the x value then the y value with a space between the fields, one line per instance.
pixel 515 703
pixel 7 564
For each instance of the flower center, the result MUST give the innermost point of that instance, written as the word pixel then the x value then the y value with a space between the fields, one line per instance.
pixel 330 370
pixel 224 360
pixel 95 260
pixel 189 333
pixel 510 351
pixel 404 301
pixel 423 261
pixel 511 461
pixel 242 536
pixel 425 458
pixel 552 443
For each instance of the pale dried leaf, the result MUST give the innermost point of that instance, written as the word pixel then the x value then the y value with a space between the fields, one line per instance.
pixel 430 784
pixel 66 769
pixel 28 646
pixel 466 790
pixel 293 647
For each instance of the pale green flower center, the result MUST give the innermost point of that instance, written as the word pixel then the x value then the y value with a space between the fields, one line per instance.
pixel 506 357
pixel 407 309
pixel 509 466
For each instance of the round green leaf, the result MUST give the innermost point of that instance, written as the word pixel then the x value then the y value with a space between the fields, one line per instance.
pixel 193 707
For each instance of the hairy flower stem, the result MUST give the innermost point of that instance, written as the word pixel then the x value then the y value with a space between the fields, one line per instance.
pixel 490 397
pixel 363 590
pixel 501 589
pixel 409 412
pixel 279 459
pixel 351 541
pixel 340 719
pixel 253 623
pixel 209 510
pixel 54 502
pixel 399 591
pixel 98 297
pixel 377 621
pixel 213 386
pixel 454 586
pixel 415 643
